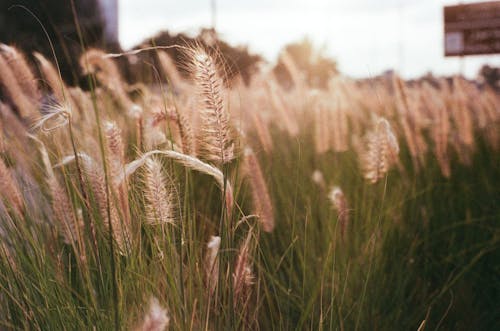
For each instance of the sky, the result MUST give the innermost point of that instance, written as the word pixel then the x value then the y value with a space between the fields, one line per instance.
pixel 366 37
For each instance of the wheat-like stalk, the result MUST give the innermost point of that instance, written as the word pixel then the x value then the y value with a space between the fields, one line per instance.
pixel 22 71
pixel 407 117
pixel 212 263
pixel 121 230
pixel 189 162
pixel 243 276
pixel 9 84
pixel 285 114
pixel 52 78
pixel 461 114
pixel 381 151
pixel 321 129
pixel 216 142
pixel 340 127
pixel 61 204
pixel 440 129
pixel 186 133
pixel 339 202
pixel 262 129
pixel 9 190
pixel 260 195
pixel 158 193
pixel 95 61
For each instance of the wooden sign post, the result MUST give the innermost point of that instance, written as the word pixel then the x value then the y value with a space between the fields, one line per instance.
pixel 472 29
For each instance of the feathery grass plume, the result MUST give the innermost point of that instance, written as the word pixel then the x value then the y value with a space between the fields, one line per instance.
pixel 52 77
pixel 321 128
pixel 158 194
pixel 170 71
pixel 152 134
pixel 212 263
pixel 83 105
pixel 154 138
pixel 95 61
pixel 461 114
pixel 60 203
pixel 186 132
pixel 54 116
pixel 216 143
pixel 95 175
pixel 9 190
pixel 182 122
pixel 492 105
pixel 25 107
pixel 115 148
pixel 339 202
pixel 340 130
pixel 492 135
pixel 262 130
pixel 189 162
pixel 116 161
pixel 414 139
pixel 285 114
pixel 491 109
pixel 243 277
pixel 318 178
pixel 260 195
pixel 294 71
pixel 12 127
pixel 440 130
pixel 381 151
pixel 156 319
pixel 22 71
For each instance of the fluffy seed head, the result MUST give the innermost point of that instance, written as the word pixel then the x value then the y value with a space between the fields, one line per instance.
pixel 260 195
pixel 339 203
pixel 381 151
pixel 212 263
pixel 156 319
pixel 158 194
pixel 215 141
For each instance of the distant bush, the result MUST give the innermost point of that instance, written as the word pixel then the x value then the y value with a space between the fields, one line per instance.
pixel 235 60
pixel 313 64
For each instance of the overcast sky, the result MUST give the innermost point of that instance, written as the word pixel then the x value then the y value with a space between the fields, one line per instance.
pixel 365 36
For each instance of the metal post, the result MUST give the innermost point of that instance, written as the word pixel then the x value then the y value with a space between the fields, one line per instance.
pixel 214 12
pixel 462 65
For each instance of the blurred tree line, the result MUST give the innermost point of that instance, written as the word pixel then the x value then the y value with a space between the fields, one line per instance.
pixel 19 26
pixel 313 64
pixel 236 61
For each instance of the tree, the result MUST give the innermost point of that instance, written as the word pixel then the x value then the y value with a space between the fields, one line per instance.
pixel 490 76
pixel 314 65
pixel 234 61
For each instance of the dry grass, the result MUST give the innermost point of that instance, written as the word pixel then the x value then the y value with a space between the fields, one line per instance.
pixel 272 258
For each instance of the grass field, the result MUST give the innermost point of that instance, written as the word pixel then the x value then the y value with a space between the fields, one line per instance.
pixel 192 205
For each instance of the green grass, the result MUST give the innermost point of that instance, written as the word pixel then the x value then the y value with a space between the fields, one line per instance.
pixel 419 246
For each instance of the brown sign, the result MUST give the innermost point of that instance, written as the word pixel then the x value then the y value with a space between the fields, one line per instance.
pixel 472 29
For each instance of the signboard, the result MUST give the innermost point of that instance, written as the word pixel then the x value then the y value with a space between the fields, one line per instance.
pixel 472 29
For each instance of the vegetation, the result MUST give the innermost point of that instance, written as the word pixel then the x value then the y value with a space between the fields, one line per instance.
pixel 189 205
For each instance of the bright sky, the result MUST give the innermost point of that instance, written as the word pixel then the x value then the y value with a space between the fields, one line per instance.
pixel 365 36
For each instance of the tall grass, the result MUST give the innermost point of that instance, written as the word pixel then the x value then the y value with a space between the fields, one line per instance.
pixel 207 206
